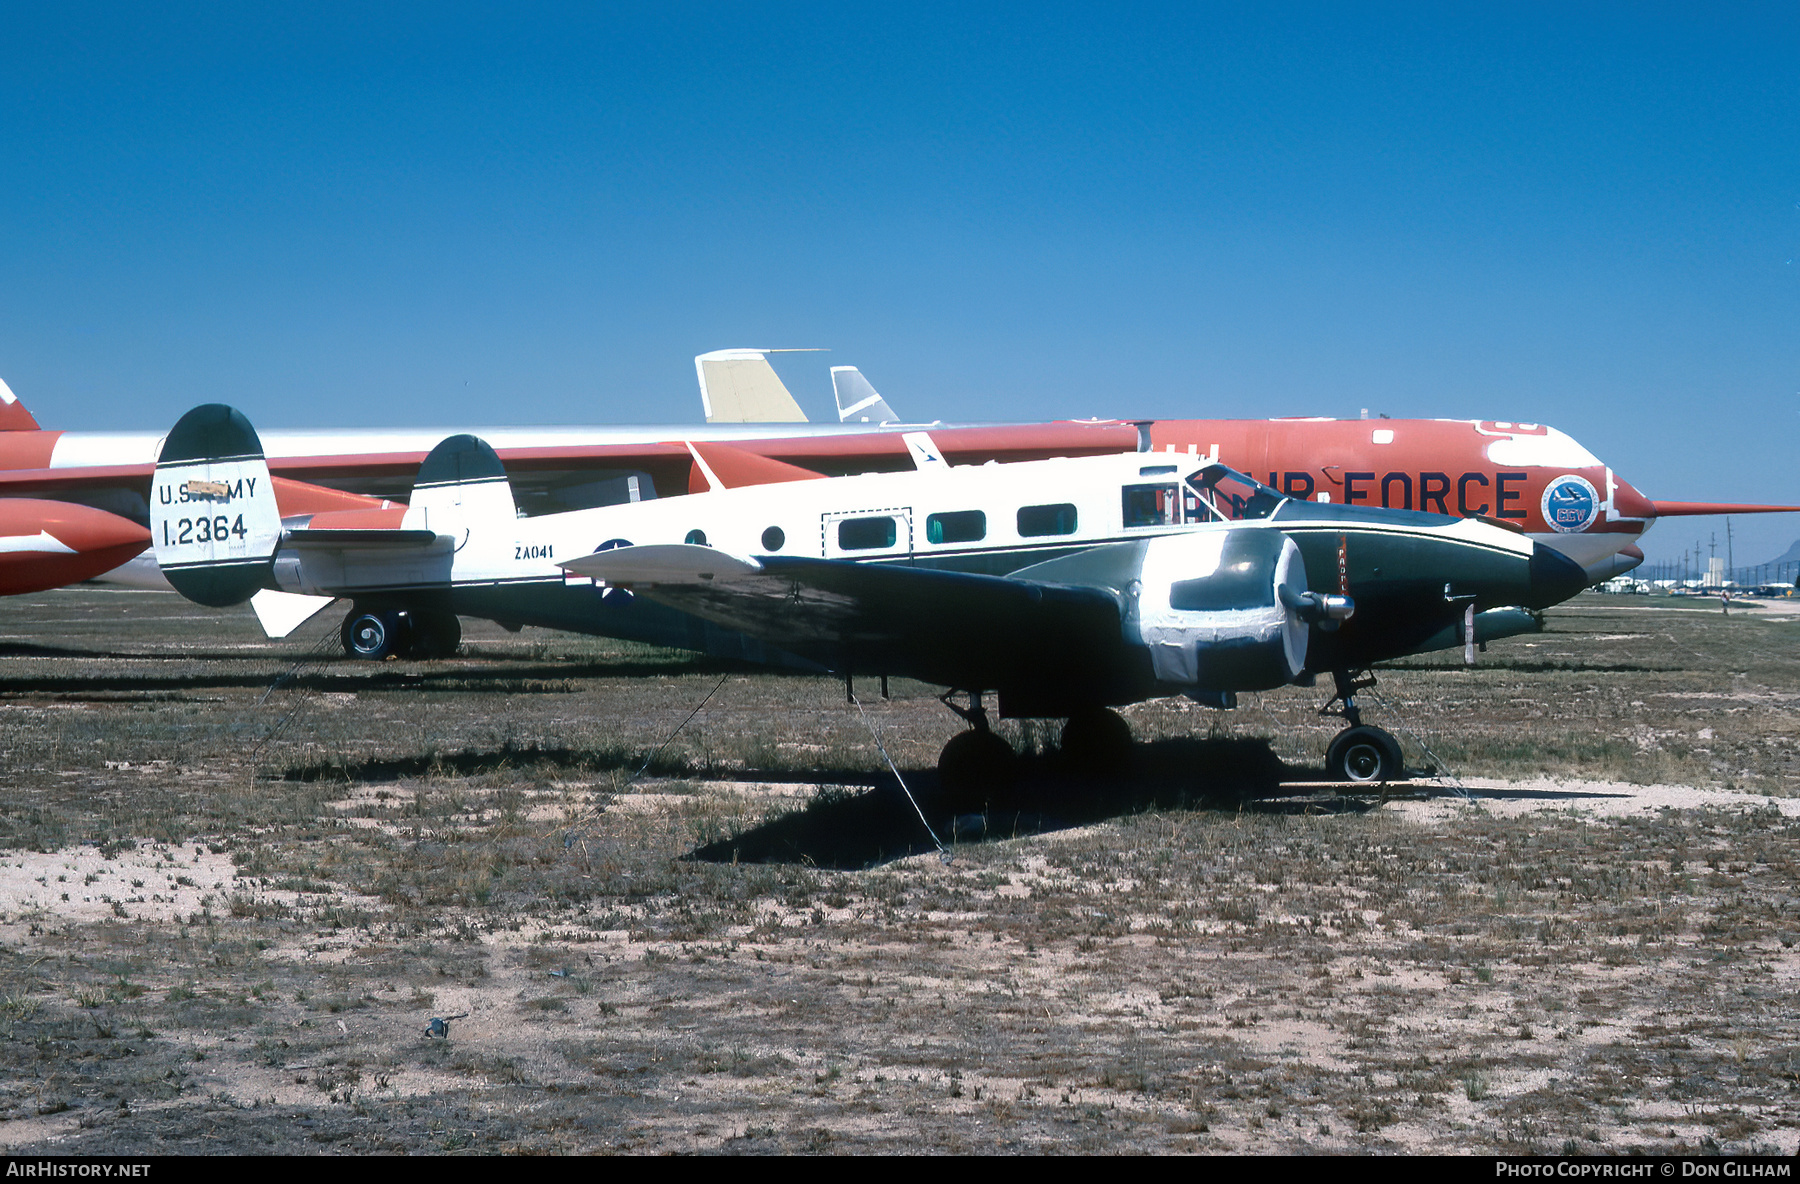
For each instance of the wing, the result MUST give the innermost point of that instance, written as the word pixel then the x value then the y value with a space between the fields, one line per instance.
pixel 950 628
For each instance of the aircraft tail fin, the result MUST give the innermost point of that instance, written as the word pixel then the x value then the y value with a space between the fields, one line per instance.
pixel 923 450
pixel 214 520
pixel 462 478
pixel 720 466
pixel 13 416
pixel 857 400
pixel 739 386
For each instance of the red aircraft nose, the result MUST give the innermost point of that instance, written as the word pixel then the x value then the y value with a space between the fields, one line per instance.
pixel 48 544
pixel 1628 502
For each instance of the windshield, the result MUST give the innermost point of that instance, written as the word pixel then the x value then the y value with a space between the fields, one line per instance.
pixel 1226 495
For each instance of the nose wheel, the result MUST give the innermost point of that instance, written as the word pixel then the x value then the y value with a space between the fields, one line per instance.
pixel 1361 754
pixel 1364 755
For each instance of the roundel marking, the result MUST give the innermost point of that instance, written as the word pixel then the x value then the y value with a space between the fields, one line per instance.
pixel 1570 504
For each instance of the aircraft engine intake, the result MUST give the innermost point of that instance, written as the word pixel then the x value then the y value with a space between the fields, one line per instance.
pixel 1226 610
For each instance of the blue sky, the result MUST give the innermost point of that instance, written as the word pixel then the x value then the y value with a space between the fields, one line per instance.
pixel 1585 215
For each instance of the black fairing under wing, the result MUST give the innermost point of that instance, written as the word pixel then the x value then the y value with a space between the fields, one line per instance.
pixel 1046 648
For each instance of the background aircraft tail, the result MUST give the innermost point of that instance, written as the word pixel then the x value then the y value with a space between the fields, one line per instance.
pixel 739 386
pixel 13 416
pixel 857 400
pixel 213 517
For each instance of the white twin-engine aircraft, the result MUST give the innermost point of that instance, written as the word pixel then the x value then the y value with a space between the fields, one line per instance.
pixel 1064 587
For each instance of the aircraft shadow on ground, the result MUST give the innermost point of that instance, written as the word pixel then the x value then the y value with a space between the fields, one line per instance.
pixel 849 831
pixel 343 674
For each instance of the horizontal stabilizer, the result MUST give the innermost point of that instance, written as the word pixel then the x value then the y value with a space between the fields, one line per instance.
pixel 857 400
pixel 668 563
pixel 361 539
pixel 1692 509
pixel 280 613
pixel 720 466
pixel 739 386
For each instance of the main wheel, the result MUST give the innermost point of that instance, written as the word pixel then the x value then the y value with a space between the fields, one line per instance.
pixel 434 634
pixel 974 768
pixel 372 636
pixel 1096 742
pixel 1364 755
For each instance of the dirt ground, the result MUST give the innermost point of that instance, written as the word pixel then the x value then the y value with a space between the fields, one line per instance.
pixel 240 878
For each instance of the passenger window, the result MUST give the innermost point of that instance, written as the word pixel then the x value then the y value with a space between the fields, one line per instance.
pixel 961 526
pixel 1151 505
pixel 1035 521
pixel 866 534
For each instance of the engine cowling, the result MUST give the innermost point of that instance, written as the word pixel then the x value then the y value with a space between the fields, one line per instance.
pixel 1223 610
pixel 45 544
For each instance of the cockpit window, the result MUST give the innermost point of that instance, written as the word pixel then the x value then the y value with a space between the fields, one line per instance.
pixel 1158 504
pixel 1226 495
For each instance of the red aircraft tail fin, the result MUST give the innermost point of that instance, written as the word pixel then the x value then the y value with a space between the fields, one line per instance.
pixel 13 416
pixel 1689 509
pixel 720 466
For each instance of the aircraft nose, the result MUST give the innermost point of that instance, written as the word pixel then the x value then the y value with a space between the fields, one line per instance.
pixel 1629 503
pixel 1553 577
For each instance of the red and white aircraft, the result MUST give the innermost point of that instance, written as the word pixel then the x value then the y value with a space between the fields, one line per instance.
pixel 1527 475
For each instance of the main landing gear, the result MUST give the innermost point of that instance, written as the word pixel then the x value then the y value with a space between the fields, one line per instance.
pixel 422 634
pixel 1360 753
pixel 977 766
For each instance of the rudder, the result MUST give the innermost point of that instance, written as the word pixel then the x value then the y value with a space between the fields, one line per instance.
pixel 213 517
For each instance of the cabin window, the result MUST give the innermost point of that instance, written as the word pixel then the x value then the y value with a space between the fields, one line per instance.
pixel 774 538
pixel 1035 521
pixel 960 526
pixel 866 534
pixel 1151 505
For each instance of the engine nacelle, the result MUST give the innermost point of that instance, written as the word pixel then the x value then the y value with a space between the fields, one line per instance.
pixel 45 544
pixel 1222 610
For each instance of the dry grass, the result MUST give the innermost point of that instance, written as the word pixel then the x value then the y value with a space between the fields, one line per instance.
pixel 747 951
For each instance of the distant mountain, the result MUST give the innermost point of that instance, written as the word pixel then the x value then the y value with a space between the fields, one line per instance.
pixel 1791 555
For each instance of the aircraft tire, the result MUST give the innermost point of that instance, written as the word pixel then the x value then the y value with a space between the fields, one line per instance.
pixel 434 634
pixel 975 768
pixel 372 636
pixel 1364 755
pixel 1096 742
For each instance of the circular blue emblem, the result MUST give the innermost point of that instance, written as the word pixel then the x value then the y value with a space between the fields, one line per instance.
pixel 1570 504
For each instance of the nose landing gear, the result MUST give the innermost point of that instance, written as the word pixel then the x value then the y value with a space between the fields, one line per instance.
pixel 1361 753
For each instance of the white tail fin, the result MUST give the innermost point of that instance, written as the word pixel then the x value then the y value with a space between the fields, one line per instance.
pixel 923 449
pixel 739 386
pixel 857 401
pixel 461 480
pixel 213 517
